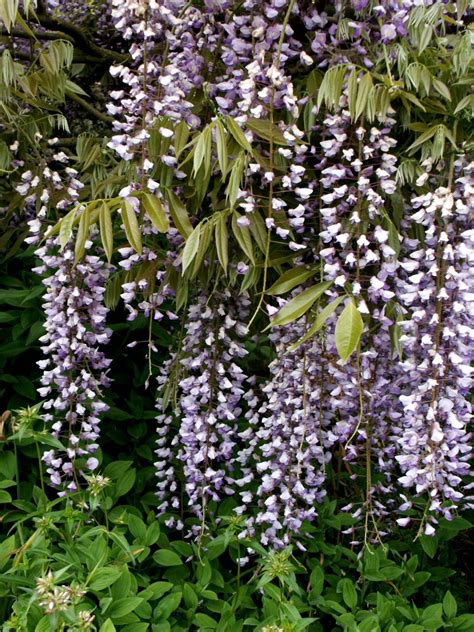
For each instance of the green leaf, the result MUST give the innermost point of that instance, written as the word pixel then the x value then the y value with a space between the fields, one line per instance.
pixel 202 151
pixel 423 138
pixel 181 135
pixel 349 327
pixel 235 179
pixel 121 607
pixel 429 545
pixel 82 233
pixel 467 101
pixel 349 593
pixel 106 231
pixel 266 129
pixel 363 90
pixel 450 606
pixel 165 557
pixel 130 222
pixel 5 497
pixel 221 144
pixel 154 209
pixel 442 89
pixel 104 577
pixel 222 241
pixel 243 237
pixel 316 580
pixel 289 280
pixel 191 247
pixel 167 605
pixel 238 134
pixel 179 215
pixel 299 305
pixel 319 322
pixel 258 230
pixel 352 92
pixel 107 626
pixel 65 227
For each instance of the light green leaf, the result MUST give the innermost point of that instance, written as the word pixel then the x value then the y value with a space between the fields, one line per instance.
pixel 154 210
pixel 130 222
pixel 238 134
pixel 202 152
pixel 299 305
pixel 423 137
pixel 318 324
pixel 82 233
pixel 349 328
pixel 107 626
pixel 258 230
pixel 467 101
pixel 352 92
pixel 181 135
pixel 442 89
pixel 179 215
pixel 191 247
pixel 65 227
pixel 243 237
pixel 267 130
pixel 364 88
pixel 235 179
pixel 289 280
pixel 221 144
pixel 106 231
pixel 222 241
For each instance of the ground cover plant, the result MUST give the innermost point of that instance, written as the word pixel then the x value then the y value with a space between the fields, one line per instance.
pixel 236 305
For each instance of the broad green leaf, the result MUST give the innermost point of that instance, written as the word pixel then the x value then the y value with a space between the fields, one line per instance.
pixel 107 626
pixel 238 134
pixel 106 231
pixel 82 233
pixel 130 222
pixel 154 210
pixel 221 143
pixel 450 606
pixel 121 607
pixel 243 237
pixel 349 593
pixel 222 241
pixel 191 247
pixel 167 605
pixel 319 322
pixel 289 280
pixel 299 305
pixel 104 577
pixel 165 557
pixel 179 215
pixel 349 327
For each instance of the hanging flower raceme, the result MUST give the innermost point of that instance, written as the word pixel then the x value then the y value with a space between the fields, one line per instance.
pixel 207 384
pixel 432 440
pixel 75 368
pixel 292 441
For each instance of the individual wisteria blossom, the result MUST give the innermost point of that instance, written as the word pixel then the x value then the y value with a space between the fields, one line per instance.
pixel 74 371
pixel 201 389
pixel 432 441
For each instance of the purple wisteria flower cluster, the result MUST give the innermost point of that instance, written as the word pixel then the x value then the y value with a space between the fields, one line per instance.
pixel 75 369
